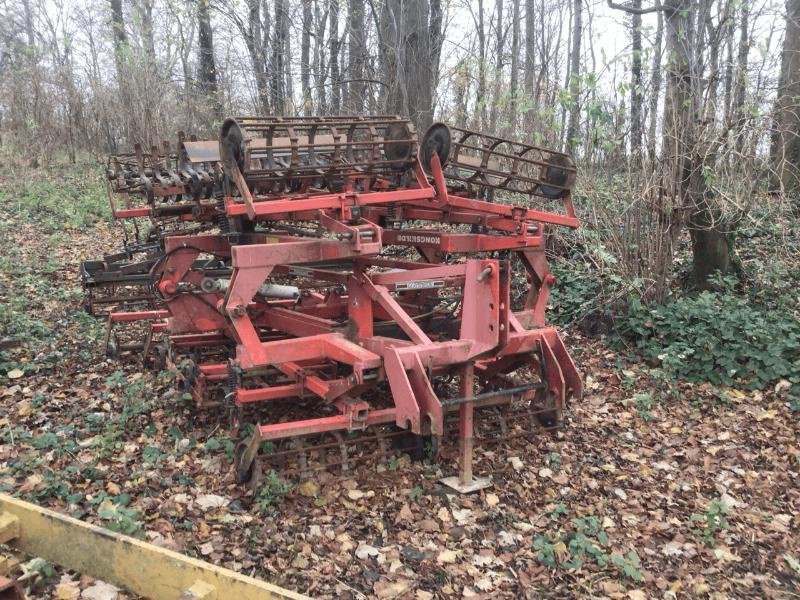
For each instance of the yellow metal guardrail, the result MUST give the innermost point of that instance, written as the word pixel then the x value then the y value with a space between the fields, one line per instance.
pixel 131 564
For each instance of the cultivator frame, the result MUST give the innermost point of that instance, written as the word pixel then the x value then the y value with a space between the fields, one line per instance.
pixel 292 296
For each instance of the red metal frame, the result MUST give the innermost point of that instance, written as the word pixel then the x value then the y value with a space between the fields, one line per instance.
pixel 366 321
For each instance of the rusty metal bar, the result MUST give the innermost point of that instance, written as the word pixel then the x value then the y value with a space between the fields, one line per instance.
pixel 478 160
pixel 276 155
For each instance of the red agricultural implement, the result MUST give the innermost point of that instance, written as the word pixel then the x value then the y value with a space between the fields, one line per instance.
pixel 352 286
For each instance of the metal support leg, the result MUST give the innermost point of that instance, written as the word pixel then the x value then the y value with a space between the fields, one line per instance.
pixel 465 425
pixel 465 482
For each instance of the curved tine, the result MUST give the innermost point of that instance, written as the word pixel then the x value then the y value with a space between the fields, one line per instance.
pixel 294 155
pixel 302 458
pixel 374 152
pixel 501 420
pixel 342 450
pixel 382 444
pixel 349 148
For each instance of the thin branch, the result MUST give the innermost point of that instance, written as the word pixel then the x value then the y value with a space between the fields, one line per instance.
pixel 636 11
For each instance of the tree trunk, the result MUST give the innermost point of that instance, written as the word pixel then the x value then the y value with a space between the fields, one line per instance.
pixel 574 81
pixel 728 78
pixel 288 103
pixel 513 88
pixel 436 37
pixel 320 63
pixel 712 246
pixel 480 95
pixel 655 89
pixel 530 65
pixel 145 9
pixel 740 88
pixel 636 86
pixel 305 57
pixel 684 152
pixel 120 38
pixel 786 138
pixel 499 49
pixel 333 41
pixel 207 76
pixel 713 34
pixel 254 42
pixel 356 57
pixel 277 68
pixel 461 93
pixel 408 45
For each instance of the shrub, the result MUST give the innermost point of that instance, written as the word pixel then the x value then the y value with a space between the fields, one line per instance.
pixel 717 337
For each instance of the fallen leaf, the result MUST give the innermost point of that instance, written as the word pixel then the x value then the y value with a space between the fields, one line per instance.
pixel 446 557
pixel 364 551
pixel 308 488
pixel 767 414
pixel 300 562
pixel 209 501
pixel 100 591
pixel 15 373
pixel 492 500
pixel 462 515
pixel 428 525
pixel 725 555
pixel 782 385
pixel 206 548
pixel 394 589
pixel 405 514
pixel 516 463
pixel 672 549
pixel 67 589
pixel 792 563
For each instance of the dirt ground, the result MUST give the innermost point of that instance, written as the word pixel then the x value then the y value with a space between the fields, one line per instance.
pixel 698 496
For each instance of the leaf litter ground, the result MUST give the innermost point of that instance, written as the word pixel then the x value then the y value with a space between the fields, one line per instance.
pixel 694 496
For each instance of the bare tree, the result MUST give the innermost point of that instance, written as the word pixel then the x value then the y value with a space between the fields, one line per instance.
pixel 333 57
pixel 120 37
pixel 786 139
pixel 409 41
pixel 499 50
pixel 514 83
pixel 686 156
pixel 574 79
pixel 207 76
pixel 254 35
pixel 144 9
pixel 356 56
pixel 277 68
pixel 320 61
pixel 530 61
pixel 480 94
pixel 655 89
pixel 305 57
pixel 740 87
pixel 636 84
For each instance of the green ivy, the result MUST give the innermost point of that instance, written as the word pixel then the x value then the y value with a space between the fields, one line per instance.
pixel 718 337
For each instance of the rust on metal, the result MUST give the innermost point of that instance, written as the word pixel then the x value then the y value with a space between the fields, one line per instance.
pixel 340 269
